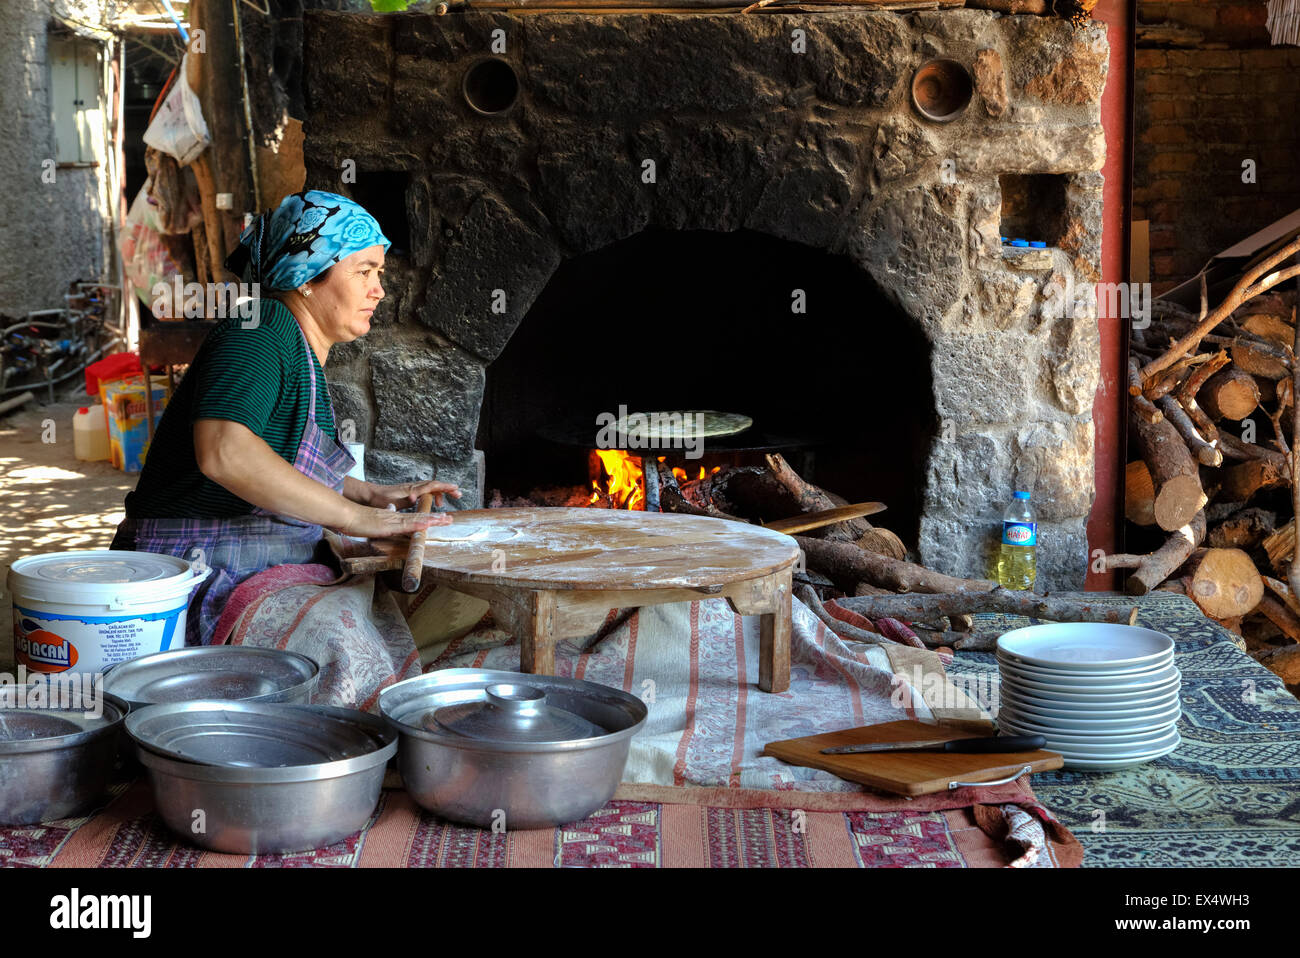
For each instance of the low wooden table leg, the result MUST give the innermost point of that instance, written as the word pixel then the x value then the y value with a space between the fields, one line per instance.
pixel 537 633
pixel 774 642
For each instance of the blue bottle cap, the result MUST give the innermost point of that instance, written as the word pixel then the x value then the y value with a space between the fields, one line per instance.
pixel 1019 242
pixel 1004 239
pixel 1038 244
pixel 1022 495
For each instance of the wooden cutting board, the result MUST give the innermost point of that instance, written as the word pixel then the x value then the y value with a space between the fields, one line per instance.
pixel 907 773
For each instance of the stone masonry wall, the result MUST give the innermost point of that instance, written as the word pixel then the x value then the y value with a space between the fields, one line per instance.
pixel 54 232
pixel 819 146
pixel 1200 112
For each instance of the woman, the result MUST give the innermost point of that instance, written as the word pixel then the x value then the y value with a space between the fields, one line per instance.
pixel 246 466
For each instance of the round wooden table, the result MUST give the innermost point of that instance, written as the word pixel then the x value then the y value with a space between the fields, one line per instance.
pixel 552 574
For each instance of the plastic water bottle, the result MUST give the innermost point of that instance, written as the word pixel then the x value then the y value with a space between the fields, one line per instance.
pixel 1016 567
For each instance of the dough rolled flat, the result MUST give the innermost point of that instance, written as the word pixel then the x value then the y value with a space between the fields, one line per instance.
pixel 457 532
pixel 681 424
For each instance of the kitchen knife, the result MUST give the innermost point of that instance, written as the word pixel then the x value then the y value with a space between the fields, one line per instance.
pixel 967 746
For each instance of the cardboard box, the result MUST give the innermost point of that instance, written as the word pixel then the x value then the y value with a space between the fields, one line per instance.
pixel 124 406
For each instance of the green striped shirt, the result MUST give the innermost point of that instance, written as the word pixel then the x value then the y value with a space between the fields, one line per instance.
pixel 257 377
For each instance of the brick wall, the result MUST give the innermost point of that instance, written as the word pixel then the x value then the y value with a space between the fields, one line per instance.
pixel 1200 113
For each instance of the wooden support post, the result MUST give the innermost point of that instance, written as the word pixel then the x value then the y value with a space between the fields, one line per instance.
pixel 537 638
pixel 774 640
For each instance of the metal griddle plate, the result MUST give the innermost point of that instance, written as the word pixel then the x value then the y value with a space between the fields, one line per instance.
pixel 251 734
pixel 226 672
pixel 582 433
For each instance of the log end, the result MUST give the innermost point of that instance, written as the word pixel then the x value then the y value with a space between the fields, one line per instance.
pixel 1136 587
pixel 1226 584
pixel 1178 501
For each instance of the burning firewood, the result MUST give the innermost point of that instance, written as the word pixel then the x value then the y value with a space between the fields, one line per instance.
pixel 671 499
pixel 810 498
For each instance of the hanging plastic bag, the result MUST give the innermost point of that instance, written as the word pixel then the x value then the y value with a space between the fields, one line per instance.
pixel 178 128
pixel 149 259
pixel 173 192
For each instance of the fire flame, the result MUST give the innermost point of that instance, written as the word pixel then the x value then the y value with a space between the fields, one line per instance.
pixel 680 474
pixel 625 485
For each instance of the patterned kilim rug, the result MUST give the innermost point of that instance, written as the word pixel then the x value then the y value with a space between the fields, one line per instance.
pixel 697 790
pixel 626 833
pixel 1229 795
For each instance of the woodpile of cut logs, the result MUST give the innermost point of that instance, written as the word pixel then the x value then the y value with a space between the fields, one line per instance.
pixel 1210 494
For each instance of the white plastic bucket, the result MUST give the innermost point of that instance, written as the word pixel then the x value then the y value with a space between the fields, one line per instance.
pixel 85 611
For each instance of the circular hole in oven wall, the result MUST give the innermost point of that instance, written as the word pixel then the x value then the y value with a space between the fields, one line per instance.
pixel 491 86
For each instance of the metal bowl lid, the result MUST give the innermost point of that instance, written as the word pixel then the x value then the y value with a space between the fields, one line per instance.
pixel 511 713
pixel 224 672
pixel 255 734
pixel 508 710
pixel 67 719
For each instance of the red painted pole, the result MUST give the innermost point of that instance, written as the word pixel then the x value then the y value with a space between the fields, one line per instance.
pixel 1109 410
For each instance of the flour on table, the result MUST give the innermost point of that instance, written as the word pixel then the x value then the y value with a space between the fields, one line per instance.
pixel 457 532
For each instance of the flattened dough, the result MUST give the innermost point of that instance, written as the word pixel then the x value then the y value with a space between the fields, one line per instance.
pixel 457 532
pixel 668 425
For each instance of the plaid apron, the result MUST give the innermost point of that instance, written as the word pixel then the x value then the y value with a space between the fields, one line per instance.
pixel 242 546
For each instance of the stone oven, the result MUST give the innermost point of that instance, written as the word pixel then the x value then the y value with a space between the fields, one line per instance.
pixel 595 209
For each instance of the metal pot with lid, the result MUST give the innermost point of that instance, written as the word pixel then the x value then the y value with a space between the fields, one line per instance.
pixel 487 747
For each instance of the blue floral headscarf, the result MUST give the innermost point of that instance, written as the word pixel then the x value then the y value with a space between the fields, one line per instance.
pixel 306 235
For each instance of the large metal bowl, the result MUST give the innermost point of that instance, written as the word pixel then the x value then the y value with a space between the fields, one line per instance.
pixel 252 810
pixel 227 672
pixel 515 785
pixel 55 762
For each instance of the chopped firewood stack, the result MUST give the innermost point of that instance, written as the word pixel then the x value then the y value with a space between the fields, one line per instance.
pixel 1209 494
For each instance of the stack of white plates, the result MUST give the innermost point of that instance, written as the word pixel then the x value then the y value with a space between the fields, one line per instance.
pixel 1104 696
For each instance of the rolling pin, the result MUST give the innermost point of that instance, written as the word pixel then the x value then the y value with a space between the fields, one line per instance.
pixel 414 566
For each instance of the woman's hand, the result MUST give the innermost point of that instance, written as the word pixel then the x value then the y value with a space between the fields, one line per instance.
pixel 370 523
pixel 405 494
